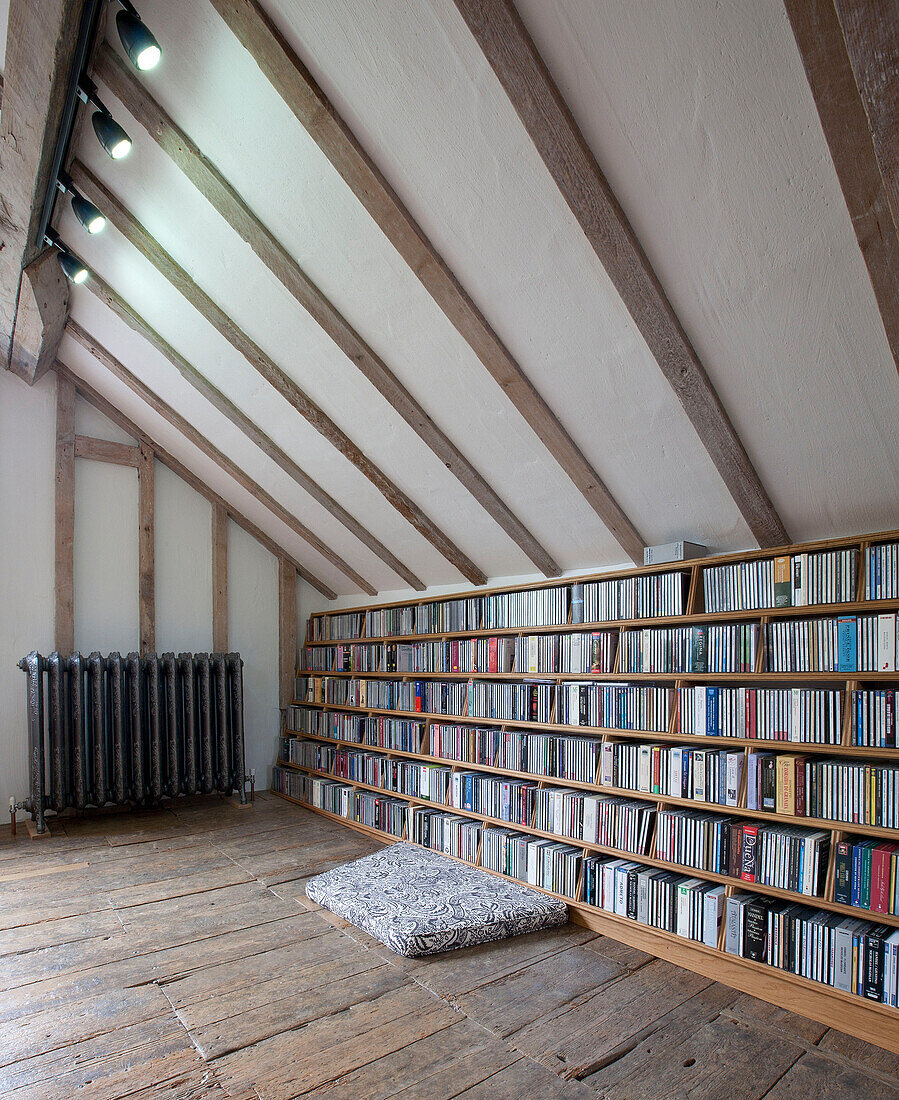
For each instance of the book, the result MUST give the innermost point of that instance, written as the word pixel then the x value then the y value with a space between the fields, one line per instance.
pixel 783 583
pixel 847 645
pixel 886 643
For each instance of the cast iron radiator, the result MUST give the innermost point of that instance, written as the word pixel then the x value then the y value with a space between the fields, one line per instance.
pixel 135 729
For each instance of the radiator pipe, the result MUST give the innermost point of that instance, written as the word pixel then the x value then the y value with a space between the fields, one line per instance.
pixel 60 733
pixel 75 708
pixel 188 712
pixel 169 677
pixel 97 721
pixel 154 723
pixel 204 694
pixel 117 722
pixel 135 728
pixel 238 774
pixel 33 666
pixel 223 778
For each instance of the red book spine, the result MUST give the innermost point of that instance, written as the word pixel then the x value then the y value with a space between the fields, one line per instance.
pixel 799 786
pixel 454 656
pixel 880 878
pixel 748 860
pixel 492 655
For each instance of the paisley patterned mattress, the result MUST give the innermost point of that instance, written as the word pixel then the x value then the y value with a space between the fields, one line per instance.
pixel 419 902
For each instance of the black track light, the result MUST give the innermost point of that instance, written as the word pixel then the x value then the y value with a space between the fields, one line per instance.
pixel 111 136
pixel 140 45
pixel 72 267
pixel 88 214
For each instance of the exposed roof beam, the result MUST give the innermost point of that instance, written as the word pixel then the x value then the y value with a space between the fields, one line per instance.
pixel 40 48
pixel 43 307
pixel 295 85
pixel 124 84
pixel 106 450
pixel 851 56
pixel 181 424
pixel 117 417
pixel 518 66
pixel 134 232
pixel 265 443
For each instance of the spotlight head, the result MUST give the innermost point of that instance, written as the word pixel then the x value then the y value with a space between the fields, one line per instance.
pixel 140 45
pixel 88 214
pixel 111 136
pixel 72 269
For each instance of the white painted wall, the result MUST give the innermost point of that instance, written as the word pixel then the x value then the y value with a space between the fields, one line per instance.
pixel 106 572
pixel 27 457
pixel 253 632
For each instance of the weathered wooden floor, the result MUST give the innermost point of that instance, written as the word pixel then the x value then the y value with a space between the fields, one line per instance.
pixel 174 955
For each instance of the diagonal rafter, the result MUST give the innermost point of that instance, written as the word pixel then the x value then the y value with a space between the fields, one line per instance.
pixel 850 52
pixel 109 410
pixel 517 64
pixel 120 371
pixel 135 234
pixel 286 73
pixel 265 443
pixel 122 82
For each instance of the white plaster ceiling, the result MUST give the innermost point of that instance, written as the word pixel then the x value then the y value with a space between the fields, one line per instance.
pixel 703 122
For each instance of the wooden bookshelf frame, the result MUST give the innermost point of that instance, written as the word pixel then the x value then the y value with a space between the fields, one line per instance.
pixel 866 1019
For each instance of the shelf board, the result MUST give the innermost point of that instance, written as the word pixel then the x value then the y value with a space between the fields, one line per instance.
pixel 600 731
pixel 619 853
pixel 868 1020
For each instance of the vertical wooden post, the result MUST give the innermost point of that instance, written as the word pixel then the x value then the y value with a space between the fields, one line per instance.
pixel 147 552
pixel 219 578
pixel 287 631
pixel 65 515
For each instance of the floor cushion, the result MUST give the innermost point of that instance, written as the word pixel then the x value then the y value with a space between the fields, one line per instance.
pixel 420 902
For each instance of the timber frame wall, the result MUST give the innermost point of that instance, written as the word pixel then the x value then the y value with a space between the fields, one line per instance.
pixel 869 1020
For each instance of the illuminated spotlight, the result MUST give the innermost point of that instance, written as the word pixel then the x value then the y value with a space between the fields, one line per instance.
pixel 90 216
pixel 140 45
pixel 72 267
pixel 110 135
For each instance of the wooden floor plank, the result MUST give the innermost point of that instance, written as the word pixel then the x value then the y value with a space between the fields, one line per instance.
pixel 174 956
pixel 815 1077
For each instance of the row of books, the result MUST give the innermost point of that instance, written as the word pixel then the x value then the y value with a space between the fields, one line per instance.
pixel 399 734
pixel 866 875
pixel 649 596
pixel 443 832
pixel 768 714
pixel 565 653
pixel 554 755
pixel 704 775
pixel 789 857
pixel 874 718
pixel 548 864
pixel 859 792
pixel 882 572
pixel 674 902
pixel 729 648
pixel 799 580
pixel 850 643
pixel 847 953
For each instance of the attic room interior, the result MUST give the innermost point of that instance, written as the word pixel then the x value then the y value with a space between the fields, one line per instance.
pixel 424 428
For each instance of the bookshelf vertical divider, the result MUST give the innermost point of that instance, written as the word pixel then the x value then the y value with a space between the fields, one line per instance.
pixel 868 1019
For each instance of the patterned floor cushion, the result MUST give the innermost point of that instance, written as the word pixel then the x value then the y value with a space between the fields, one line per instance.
pixel 419 902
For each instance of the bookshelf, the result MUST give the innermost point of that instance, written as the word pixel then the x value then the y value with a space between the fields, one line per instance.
pixel 324 722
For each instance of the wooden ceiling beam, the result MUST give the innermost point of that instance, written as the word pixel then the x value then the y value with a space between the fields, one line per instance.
pixel 109 410
pixel 40 52
pixel 190 433
pixel 511 53
pixel 265 443
pixel 124 84
pixel 284 70
pixel 850 52
pixel 131 229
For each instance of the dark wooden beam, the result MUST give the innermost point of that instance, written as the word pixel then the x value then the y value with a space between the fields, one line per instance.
pixel 147 549
pixel 518 66
pixel 220 578
pixel 184 426
pixel 851 57
pixel 135 234
pixel 105 450
pixel 122 81
pixel 287 631
pixel 317 115
pixel 64 619
pixel 237 417
pixel 40 49
pixel 109 410
pixel 42 310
